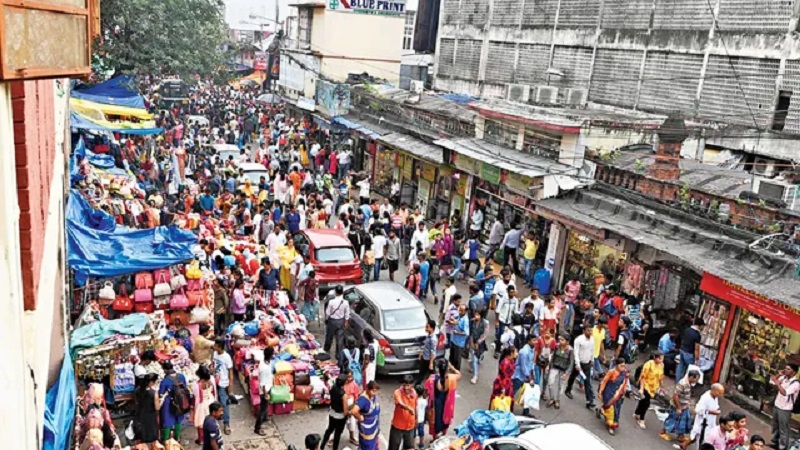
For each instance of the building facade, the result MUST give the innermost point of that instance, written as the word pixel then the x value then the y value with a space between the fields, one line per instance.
pixel 729 61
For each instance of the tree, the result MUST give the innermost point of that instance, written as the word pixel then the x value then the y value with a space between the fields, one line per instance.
pixel 181 37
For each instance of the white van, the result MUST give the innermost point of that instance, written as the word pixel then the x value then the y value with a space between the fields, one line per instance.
pixel 254 172
pixel 223 151
pixel 557 436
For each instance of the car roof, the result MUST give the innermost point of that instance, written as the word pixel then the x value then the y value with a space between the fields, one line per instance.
pixel 389 295
pixel 221 147
pixel 563 435
pixel 327 238
pixel 252 167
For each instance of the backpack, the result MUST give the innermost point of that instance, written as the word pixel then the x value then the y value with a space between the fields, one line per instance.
pixel 610 309
pixel 180 400
pixel 519 339
pixel 629 352
pixel 796 401
pixel 354 365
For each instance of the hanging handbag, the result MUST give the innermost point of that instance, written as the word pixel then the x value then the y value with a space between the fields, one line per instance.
pixel 179 318
pixel 162 274
pixel 107 293
pixel 122 302
pixel 161 302
pixel 162 288
pixel 144 307
pixel 194 284
pixel 143 296
pixel 193 271
pixel 177 281
pixel 195 298
pixel 280 393
pixel 178 300
pixel 144 280
pixel 200 315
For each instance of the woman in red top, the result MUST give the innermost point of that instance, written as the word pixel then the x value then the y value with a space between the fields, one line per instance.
pixel 413 280
pixel 542 351
pixel 505 371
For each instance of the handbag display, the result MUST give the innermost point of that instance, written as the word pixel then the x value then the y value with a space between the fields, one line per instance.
pixel 301 379
pixel 194 284
pixel 122 302
pixel 195 298
pixel 144 280
pixel 107 293
pixel 179 318
pixel 162 287
pixel 193 272
pixel 162 274
pixel 302 393
pixel 280 393
pixel 147 308
pixel 161 302
pixel 177 281
pixel 178 300
pixel 143 296
pixel 200 315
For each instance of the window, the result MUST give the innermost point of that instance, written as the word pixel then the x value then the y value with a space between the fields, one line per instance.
pixel 304 25
pixel 404 319
pixel 500 134
pixel 335 254
pixel 408 30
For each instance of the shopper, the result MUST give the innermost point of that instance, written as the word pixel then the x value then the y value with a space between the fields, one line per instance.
pixel 649 384
pixel 458 341
pixel 367 412
pixel 392 253
pixel 584 351
pixel 679 418
pixel 404 418
pixel 223 371
pixel 212 438
pixel 205 393
pixel 148 403
pixel 562 362
pixel 523 369
pixel 718 436
pixel 337 316
pixel 690 347
pixel 266 374
pixel 612 393
pixel 707 410
pixel 478 332
pixel 337 414
pixel 788 386
pixel 171 419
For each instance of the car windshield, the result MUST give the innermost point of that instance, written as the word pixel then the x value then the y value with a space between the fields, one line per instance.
pixel 334 254
pixel 404 319
pixel 255 176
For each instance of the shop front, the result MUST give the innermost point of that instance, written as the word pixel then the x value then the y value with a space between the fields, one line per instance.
pixel 385 167
pixel 418 164
pixel 758 336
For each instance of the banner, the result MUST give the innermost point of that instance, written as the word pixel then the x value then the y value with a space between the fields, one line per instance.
pixel 377 7
pixel 490 173
pixel 260 61
pixel 754 302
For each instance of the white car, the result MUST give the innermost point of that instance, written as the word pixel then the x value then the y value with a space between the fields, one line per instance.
pixel 200 120
pixel 223 151
pixel 254 172
pixel 557 436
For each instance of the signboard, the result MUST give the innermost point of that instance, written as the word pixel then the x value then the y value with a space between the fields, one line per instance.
pixel 306 103
pixel 754 302
pixel 333 99
pixel 428 171
pixel 467 164
pixel 518 183
pixel 490 173
pixel 260 61
pixel 377 7
pixel 461 185
pixel 292 75
pixel 408 168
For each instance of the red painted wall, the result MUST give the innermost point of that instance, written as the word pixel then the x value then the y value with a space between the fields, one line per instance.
pixel 34 142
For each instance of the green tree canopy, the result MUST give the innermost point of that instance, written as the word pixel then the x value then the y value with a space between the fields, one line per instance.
pixel 181 37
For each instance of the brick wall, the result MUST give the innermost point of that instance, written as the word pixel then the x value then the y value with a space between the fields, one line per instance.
pixel 34 142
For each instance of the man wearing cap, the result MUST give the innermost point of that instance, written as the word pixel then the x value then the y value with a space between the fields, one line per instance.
pixel 404 420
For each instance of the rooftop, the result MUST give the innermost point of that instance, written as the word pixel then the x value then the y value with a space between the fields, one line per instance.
pixel 327 238
pixel 414 146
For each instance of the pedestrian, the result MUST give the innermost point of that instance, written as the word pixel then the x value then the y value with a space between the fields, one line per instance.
pixel 584 351
pixel 478 332
pixel 542 353
pixel 510 244
pixel 528 255
pixel 404 419
pixel 506 309
pixel 223 372
pixel 337 316
pixel 599 337
pixel 367 412
pixel 352 391
pixel 679 417
pixel 458 341
pixel 148 404
pixel 422 409
pixel 212 438
pixel 412 283
pixel 707 410
pixel 496 235
pixel 523 368
pixel 337 414
pixel 690 347
pixel 350 358
pixel 205 393
pixel 612 393
pixel 308 291
pixel 756 443
pixel 371 349
pixel 443 385
pixel 470 256
pixel 428 355
pixel 739 436
pixel 650 380
pixel 718 436
pixel 203 347
pixel 266 371
pixel 171 419
pixel 379 245
pixel 562 361
pixel 788 386
pixel 392 253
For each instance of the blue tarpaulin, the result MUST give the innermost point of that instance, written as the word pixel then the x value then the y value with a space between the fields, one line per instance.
pixel 59 409
pixel 120 91
pixel 97 247
pixel 79 122
pixel 356 127
pixel 483 424
pixel 78 153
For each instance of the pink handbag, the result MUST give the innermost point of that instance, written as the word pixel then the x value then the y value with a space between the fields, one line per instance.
pixel 162 275
pixel 178 300
pixel 143 296
pixel 194 285
pixel 282 408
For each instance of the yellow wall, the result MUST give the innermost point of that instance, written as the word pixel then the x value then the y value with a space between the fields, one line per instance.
pixel 603 140
pixel 351 43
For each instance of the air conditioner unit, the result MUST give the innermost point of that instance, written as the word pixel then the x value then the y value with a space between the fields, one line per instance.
pixel 546 94
pixel 788 193
pixel 764 167
pixel 519 93
pixel 576 97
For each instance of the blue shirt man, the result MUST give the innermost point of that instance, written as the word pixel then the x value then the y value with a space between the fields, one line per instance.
pixel 666 344
pixel 367 211
pixel 230 184
pixel 524 366
pixel 424 272
pixel 461 331
pixel 293 220
pixel 207 203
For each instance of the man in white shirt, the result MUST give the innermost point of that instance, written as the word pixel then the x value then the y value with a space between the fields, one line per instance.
pixel 420 235
pixel 265 381
pixel 583 348
pixel 223 371
pixel 378 250
pixel 505 310
pixel 363 191
pixel 337 316
pixel 386 207
pixel 707 408
pixel 538 310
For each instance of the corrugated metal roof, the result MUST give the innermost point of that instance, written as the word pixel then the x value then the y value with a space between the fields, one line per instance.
pixel 414 146
pixel 515 161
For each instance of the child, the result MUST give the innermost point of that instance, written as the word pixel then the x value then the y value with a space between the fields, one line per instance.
pixel 502 402
pixel 422 405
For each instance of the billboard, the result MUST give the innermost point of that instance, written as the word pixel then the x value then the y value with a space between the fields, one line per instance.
pixel 377 7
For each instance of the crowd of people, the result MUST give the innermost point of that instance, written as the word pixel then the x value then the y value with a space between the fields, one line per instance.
pixel 544 345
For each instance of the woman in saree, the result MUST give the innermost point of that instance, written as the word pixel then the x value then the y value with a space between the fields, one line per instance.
pixel 505 371
pixel 443 385
pixel 612 393
pixel 367 412
pixel 287 254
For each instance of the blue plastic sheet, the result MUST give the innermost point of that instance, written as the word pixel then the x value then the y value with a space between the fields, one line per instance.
pixel 95 333
pixel 97 247
pixel 100 160
pixel 78 153
pixel 119 91
pixel 77 121
pixel 484 424
pixel 59 408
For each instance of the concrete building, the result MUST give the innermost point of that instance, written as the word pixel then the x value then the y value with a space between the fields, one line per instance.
pixel 654 55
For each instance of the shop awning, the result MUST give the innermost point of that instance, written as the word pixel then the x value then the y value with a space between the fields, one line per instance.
pixel 515 161
pixel 414 146
pixel 89 107
pixel 119 90
pixel 702 247
pixel 356 127
pixel 82 122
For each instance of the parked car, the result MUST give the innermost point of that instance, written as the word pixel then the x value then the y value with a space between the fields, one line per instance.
pixel 254 172
pixel 397 319
pixel 223 151
pixel 332 255
pixel 541 436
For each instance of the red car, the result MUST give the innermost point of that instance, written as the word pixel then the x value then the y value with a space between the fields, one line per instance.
pixel 332 255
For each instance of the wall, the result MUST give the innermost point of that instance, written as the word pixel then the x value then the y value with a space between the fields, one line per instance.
pixel 603 140
pixel 357 43
pixel 654 55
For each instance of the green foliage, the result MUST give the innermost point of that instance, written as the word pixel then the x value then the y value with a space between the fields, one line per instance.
pixel 181 37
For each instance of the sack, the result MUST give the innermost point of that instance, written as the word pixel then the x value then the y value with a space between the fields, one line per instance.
pixel 143 296
pixel 144 280
pixel 200 315
pixel 162 288
pixel 177 282
pixel 146 308
pixel 122 302
pixel 280 393
pixel 178 300
pixel 107 293
pixel 354 365
pixel 180 400
pixel 302 393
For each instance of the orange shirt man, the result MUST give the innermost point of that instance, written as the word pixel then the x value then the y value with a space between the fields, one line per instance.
pixel 404 420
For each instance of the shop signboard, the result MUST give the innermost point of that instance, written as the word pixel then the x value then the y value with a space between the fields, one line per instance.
pixel 461 185
pixel 490 173
pixel 260 61
pixel 518 183
pixel 423 195
pixel 754 302
pixel 467 164
pixel 374 7
pixel 408 168
pixel 428 172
